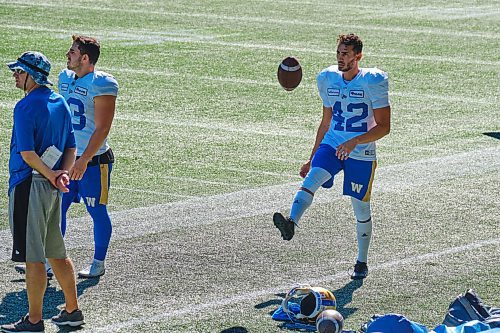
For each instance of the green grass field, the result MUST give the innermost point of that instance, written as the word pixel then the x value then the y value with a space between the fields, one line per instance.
pixel 208 146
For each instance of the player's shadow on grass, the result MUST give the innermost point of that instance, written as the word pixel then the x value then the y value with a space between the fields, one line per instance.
pixel 236 329
pixel 14 305
pixel 271 302
pixel 495 135
pixel 344 297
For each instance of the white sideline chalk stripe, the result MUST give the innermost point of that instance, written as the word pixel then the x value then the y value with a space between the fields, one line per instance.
pixel 226 127
pixel 259 172
pixel 203 181
pixel 152 192
pixel 8 105
pixel 304 49
pixel 142 221
pixel 273 20
pixel 314 281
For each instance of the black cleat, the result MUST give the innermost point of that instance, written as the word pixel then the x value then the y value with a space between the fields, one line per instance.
pixel 360 271
pixel 284 225
pixel 73 319
pixel 23 326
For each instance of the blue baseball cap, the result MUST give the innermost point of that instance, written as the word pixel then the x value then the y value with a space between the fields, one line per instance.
pixel 35 64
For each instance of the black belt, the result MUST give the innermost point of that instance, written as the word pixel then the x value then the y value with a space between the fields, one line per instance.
pixel 104 158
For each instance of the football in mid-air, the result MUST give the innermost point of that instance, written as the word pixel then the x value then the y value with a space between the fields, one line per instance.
pixel 329 321
pixel 289 73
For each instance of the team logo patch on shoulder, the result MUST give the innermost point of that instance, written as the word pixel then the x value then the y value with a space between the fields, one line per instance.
pixel 357 93
pixel 333 91
pixel 81 91
pixel 64 86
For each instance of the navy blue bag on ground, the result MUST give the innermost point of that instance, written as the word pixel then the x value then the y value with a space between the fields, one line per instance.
pixel 469 306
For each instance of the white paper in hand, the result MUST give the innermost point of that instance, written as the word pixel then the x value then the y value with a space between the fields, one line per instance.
pixel 50 157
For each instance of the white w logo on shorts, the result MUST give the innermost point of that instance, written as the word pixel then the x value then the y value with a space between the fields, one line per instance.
pixel 356 187
pixel 91 201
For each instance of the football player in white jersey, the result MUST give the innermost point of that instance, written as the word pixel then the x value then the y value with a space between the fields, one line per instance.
pixel 356 113
pixel 91 96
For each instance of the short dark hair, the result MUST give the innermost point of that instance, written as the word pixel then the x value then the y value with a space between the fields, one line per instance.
pixel 89 46
pixel 351 39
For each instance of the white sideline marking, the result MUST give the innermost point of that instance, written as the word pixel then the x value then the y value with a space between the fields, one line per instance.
pixel 444 14
pixel 138 222
pixel 259 172
pixel 203 181
pixel 8 105
pixel 246 129
pixel 152 192
pixel 304 49
pixel 273 20
pixel 314 281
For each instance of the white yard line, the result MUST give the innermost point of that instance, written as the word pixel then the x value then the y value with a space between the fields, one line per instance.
pixel 203 307
pixel 260 172
pixel 167 194
pixel 138 222
pixel 203 181
pixel 250 129
pixel 8 105
pixel 160 37
pixel 273 20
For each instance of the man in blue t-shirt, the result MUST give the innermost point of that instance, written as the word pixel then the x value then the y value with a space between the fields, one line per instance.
pixel 42 151
pixel 91 96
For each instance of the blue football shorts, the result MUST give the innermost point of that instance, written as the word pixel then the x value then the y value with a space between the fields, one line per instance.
pixel 93 187
pixel 358 174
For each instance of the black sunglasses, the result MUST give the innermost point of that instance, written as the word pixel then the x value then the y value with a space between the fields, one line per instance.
pixel 19 71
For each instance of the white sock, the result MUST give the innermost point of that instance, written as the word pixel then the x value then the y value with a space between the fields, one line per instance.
pixel 98 262
pixel 364 235
pixel 303 199
pixel 301 202
pixel 364 227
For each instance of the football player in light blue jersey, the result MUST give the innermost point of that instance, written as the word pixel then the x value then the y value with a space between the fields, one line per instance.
pixel 91 96
pixel 356 113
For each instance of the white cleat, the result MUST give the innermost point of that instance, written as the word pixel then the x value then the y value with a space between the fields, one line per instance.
pixel 96 269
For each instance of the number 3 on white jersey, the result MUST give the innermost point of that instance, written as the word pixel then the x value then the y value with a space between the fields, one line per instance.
pixel 76 106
